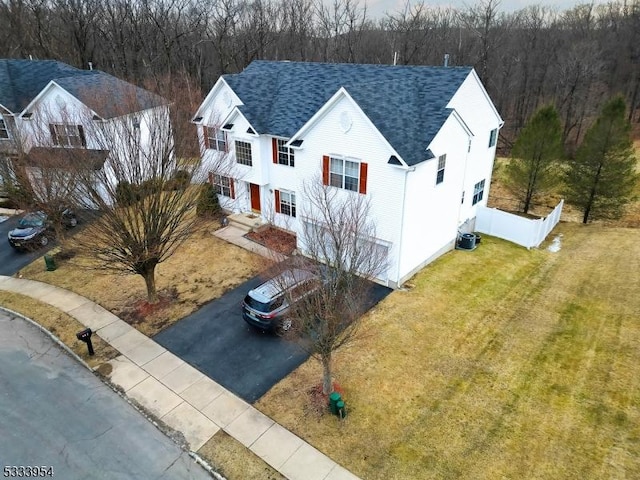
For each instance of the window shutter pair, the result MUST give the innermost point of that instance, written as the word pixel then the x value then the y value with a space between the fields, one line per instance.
pixel 232 190
pixel 362 187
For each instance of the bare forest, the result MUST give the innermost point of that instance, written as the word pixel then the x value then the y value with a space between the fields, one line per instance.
pixel 575 59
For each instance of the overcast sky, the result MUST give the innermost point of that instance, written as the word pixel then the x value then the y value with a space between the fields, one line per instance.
pixel 378 7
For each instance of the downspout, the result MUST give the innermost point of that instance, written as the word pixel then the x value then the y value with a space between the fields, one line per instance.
pixel 404 200
pixel 464 183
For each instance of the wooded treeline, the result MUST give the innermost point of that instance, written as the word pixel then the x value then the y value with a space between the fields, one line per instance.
pixel 575 59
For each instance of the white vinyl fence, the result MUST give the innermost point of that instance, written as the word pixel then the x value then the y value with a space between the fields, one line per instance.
pixel 516 229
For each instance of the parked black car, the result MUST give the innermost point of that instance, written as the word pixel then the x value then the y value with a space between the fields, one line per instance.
pixel 35 229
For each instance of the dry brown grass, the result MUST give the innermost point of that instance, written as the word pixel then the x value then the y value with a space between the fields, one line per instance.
pixel 203 269
pixel 500 197
pixel 236 462
pixel 498 363
pixel 61 325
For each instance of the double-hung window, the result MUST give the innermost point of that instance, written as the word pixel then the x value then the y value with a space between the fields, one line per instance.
pixel 492 137
pixel 4 131
pixel 442 160
pixel 243 153
pixel 286 202
pixel 285 154
pixel 63 135
pixel 344 174
pixel 215 138
pixel 478 192
pixel 223 185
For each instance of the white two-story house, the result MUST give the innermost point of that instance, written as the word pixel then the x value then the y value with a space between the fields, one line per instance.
pixel 419 141
pixel 52 113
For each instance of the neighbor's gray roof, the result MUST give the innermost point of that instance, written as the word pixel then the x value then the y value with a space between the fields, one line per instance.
pixel 407 104
pixel 22 80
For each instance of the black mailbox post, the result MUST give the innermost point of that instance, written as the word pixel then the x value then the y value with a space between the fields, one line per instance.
pixel 85 336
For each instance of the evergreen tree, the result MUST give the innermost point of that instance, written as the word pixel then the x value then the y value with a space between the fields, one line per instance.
pixel 532 170
pixel 601 179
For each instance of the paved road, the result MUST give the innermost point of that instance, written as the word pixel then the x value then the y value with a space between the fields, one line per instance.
pixel 11 260
pixel 53 412
pixel 224 347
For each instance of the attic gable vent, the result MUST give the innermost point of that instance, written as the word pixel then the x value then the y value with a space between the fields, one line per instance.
pixel 227 126
pixel 251 131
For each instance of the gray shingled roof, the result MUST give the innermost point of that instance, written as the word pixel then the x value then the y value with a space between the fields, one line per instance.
pixel 407 104
pixel 22 80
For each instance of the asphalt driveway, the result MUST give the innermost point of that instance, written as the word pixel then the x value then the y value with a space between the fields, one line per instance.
pixel 220 344
pixel 10 259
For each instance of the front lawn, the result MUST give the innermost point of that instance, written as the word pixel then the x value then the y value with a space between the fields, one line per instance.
pixel 202 269
pixel 496 363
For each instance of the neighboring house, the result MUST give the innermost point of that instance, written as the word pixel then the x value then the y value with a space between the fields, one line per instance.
pixel 52 113
pixel 419 141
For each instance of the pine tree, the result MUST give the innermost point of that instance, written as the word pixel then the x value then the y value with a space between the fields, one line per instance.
pixel 601 179
pixel 532 170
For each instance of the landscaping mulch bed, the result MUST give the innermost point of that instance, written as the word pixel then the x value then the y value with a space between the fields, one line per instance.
pixel 274 239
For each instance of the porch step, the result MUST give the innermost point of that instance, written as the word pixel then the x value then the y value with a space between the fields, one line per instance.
pixel 246 221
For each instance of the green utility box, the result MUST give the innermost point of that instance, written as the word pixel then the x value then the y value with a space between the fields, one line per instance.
pixel 50 263
pixel 334 398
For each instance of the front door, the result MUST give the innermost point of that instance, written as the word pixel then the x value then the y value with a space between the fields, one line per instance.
pixel 255 197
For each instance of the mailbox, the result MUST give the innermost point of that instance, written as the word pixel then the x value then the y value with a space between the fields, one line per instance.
pixel 85 336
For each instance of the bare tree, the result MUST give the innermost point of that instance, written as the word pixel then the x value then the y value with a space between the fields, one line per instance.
pixel 139 189
pixel 341 254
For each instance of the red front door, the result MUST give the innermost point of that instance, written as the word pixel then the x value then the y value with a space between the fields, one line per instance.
pixel 255 197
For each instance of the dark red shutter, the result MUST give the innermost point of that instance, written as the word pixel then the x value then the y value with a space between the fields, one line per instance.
pixel 83 140
pixel 211 178
pixel 54 137
pixel 277 192
pixel 205 132
pixel 232 189
pixel 226 142
pixel 274 149
pixel 325 170
pixel 363 178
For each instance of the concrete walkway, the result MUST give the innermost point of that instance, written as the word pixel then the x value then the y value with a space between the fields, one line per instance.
pixel 181 396
pixel 235 235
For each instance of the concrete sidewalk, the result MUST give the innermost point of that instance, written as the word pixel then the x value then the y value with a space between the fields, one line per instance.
pixel 180 395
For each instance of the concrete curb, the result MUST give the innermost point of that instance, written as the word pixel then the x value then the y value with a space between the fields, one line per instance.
pixel 50 335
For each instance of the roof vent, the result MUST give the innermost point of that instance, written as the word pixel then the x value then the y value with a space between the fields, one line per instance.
pixel 446 59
